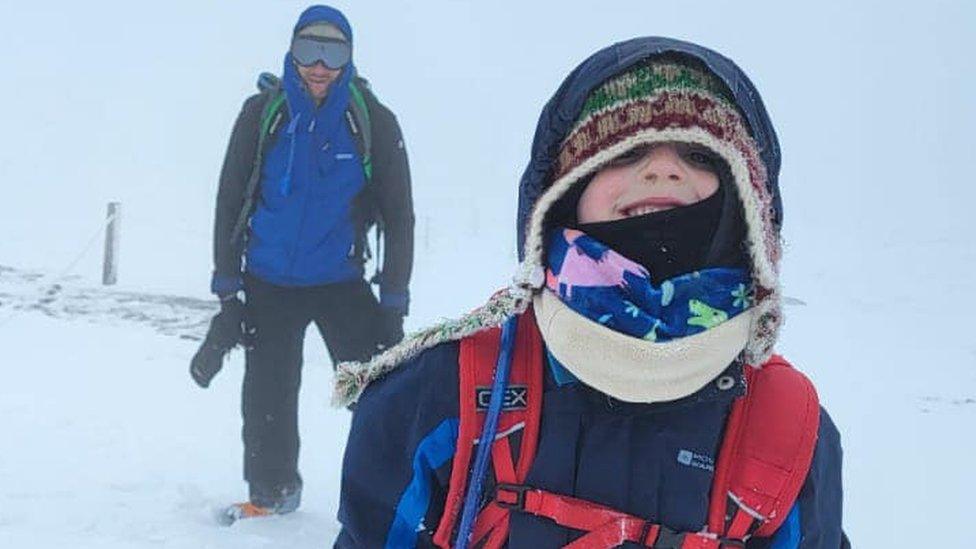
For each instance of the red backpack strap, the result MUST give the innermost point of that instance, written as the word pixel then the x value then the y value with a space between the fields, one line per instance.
pixel 521 411
pixel 766 452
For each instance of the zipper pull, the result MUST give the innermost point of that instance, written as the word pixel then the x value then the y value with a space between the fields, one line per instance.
pixel 293 125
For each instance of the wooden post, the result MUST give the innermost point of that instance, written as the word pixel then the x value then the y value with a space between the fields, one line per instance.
pixel 110 266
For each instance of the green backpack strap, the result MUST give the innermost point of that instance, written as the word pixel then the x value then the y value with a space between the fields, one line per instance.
pixel 359 124
pixel 270 87
pixel 272 113
pixel 362 130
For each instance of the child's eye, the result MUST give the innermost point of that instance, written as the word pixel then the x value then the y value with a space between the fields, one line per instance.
pixel 699 156
pixel 627 158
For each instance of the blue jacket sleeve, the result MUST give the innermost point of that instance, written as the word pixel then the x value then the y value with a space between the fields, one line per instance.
pixel 815 520
pixel 396 468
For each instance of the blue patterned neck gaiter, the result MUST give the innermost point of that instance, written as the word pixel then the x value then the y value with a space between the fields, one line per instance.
pixel 606 287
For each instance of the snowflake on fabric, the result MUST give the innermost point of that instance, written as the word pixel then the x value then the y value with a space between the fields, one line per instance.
pixel 667 293
pixel 743 296
pixel 631 309
pixel 652 335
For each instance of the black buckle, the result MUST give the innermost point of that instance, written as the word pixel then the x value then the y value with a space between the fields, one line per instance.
pixel 645 531
pixel 518 489
pixel 730 542
pixel 668 539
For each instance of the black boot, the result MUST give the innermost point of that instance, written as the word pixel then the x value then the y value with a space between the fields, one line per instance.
pixel 279 498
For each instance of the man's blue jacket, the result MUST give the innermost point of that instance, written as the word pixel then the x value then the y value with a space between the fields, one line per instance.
pixel 307 218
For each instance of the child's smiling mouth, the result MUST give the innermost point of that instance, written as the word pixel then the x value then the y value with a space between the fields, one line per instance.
pixel 650 204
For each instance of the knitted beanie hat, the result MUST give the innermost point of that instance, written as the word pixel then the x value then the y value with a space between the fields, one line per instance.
pixel 668 100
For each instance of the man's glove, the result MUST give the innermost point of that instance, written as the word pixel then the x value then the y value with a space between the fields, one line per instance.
pixel 391 327
pixel 226 331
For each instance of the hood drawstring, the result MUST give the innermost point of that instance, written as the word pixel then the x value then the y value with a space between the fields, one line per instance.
pixel 286 180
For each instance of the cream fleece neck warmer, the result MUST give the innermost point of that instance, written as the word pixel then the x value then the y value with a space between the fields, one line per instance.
pixel 632 369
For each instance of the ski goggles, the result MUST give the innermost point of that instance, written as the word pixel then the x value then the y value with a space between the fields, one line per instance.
pixel 334 54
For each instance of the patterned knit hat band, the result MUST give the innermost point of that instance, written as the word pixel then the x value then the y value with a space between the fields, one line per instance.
pixel 654 95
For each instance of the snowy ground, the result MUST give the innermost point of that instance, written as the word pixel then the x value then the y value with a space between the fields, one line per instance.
pixel 108 444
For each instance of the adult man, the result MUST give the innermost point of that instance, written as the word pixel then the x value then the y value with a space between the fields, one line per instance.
pixel 313 162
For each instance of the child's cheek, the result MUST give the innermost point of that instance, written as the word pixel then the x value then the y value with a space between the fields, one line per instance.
pixel 705 186
pixel 598 200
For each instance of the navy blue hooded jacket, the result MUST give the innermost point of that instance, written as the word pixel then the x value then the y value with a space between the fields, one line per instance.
pixel 397 465
pixel 632 457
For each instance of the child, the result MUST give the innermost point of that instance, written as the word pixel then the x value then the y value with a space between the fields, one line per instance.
pixel 616 391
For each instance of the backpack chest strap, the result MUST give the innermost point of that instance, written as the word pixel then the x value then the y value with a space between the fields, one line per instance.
pixel 605 527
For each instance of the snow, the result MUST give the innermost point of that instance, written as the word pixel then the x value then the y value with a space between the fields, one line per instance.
pixel 108 444
pixel 106 441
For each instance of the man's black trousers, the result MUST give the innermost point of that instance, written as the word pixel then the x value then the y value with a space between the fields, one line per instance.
pixel 347 316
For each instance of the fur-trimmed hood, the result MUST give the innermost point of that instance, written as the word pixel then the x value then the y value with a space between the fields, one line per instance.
pixel 561 112
pixel 753 158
